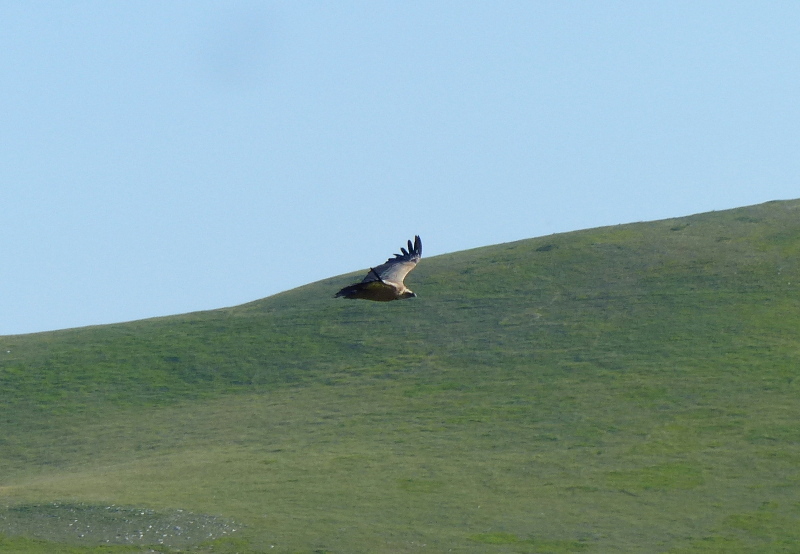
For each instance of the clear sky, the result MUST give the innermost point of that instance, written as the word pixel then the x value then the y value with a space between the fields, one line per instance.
pixel 159 158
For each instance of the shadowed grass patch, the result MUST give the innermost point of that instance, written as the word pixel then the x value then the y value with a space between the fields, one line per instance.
pixel 544 546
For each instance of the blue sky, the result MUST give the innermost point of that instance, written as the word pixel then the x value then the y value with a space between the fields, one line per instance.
pixel 159 158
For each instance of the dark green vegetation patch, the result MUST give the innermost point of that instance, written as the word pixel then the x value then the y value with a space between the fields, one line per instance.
pixel 622 389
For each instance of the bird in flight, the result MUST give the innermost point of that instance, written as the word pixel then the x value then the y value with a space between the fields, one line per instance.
pixel 385 282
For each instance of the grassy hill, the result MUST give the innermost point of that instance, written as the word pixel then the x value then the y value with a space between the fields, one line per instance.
pixel 621 389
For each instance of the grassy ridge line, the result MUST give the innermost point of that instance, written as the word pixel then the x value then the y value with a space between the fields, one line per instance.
pixel 613 376
pixel 274 341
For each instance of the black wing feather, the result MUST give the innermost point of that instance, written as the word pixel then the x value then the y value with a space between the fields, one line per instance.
pixel 414 251
pixel 396 268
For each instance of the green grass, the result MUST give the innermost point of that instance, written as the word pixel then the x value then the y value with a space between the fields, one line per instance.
pixel 623 389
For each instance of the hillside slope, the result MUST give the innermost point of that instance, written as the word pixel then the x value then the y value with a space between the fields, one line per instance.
pixel 627 389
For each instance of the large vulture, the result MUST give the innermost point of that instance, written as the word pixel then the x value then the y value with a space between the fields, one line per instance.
pixel 385 282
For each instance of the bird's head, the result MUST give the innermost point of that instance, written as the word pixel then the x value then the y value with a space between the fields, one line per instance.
pixel 408 294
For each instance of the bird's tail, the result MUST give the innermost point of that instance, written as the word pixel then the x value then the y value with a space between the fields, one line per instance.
pixel 350 291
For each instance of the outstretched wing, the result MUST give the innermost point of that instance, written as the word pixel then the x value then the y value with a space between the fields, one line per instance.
pixel 395 269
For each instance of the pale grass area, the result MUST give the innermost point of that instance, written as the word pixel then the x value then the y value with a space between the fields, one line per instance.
pixel 344 464
pixel 341 464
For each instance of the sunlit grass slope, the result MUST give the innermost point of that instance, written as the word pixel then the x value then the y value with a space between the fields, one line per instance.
pixel 622 389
